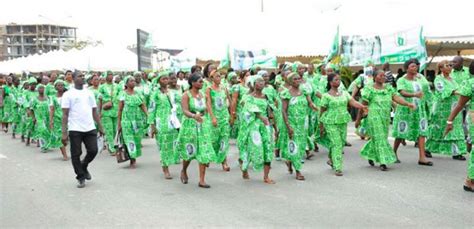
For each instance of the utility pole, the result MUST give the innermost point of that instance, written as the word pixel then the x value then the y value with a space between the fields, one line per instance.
pixel 261 5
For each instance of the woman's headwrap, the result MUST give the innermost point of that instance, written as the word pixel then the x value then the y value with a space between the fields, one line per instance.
pixel 32 80
pixel 231 75
pixel 137 73
pixel 125 80
pixel 88 77
pixel 296 65
pixel 252 79
pixel 39 86
pixel 291 76
pixel 151 75
pixel 331 66
pixel 58 82
pixel 262 73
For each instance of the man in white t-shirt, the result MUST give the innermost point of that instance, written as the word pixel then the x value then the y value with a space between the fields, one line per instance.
pixel 79 113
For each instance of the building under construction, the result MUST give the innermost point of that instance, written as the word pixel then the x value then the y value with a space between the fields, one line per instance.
pixel 17 40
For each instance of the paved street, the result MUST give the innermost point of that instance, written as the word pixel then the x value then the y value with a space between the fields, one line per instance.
pixel 39 190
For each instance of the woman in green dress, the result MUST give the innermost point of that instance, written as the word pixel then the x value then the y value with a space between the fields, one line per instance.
pixel 217 109
pixel 163 120
pixel 39 110
pixel 275 104
pixel 93 86
pixel 131 111
pixel 379 98
pixel 16 116
pixel 255 137
pixel 194 139
pixel 466 93
pixel 55 118
pixel 334 119
pixel 30 95
pixel 238 92
pixel 22 108
pixel 108 110
pixel 408 124
pixel 6 103
pixel 296 118
pixel 446 97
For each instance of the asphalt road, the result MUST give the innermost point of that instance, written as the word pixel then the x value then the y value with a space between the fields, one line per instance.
pixel 39 190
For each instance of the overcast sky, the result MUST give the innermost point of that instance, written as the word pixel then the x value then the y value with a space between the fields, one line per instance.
pixel 286 27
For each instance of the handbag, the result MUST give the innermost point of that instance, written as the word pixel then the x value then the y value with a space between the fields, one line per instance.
pixel 122 151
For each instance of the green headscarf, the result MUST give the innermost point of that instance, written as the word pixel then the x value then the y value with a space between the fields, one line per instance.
pixel 58 82
pixel 253 79
pixel 32 80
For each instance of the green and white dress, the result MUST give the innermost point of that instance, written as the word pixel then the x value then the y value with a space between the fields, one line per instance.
pixel 167 134
pixel 378 148
pixel 41 130
pixel 299 122
pixel 30 96
pixel 194 139
pixel 16 116
pixel 56 132
pixel 445 101
pixel 22 109
pixel 335 120
pixel 467 89
pixel 221 133
pixel 109 93
pixel 6 114
pixel 132 123
pixel 254 140
pixel 275 104
pixel 242 92
pixel 307 89
pixel 408 124
pixel 362 82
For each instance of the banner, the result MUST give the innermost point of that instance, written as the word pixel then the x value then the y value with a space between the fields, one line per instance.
pixel 144 50
pixel 393 48
pixel 246 59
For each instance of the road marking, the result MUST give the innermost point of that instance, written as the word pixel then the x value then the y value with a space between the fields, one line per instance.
pixel 3 156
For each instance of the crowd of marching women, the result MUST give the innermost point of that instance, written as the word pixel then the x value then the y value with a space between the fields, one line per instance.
pixel 272 116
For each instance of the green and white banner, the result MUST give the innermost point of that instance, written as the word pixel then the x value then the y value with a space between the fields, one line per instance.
pixel 392 48
pixel 246 59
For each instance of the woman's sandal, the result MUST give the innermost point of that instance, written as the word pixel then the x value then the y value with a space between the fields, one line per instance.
pixel 309 156
pixel 268 181
pixel 245 175
pixel 383 167
pixel 338 173
pixel 300 177
pixel 467 187
pixel 371 163
pixel 203 185
pixel 427 163
pixel 226 168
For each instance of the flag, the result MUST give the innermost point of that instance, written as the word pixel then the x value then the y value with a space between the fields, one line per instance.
pixel 334 48
pixel 225 63
pixel 422 55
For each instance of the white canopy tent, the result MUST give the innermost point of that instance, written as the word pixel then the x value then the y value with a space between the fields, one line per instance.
pixel 98 58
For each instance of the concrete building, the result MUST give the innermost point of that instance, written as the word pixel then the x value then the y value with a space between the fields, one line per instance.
pixel 17 40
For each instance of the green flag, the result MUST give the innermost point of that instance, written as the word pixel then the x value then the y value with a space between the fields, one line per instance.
pixel 225 63
pixel 334 48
